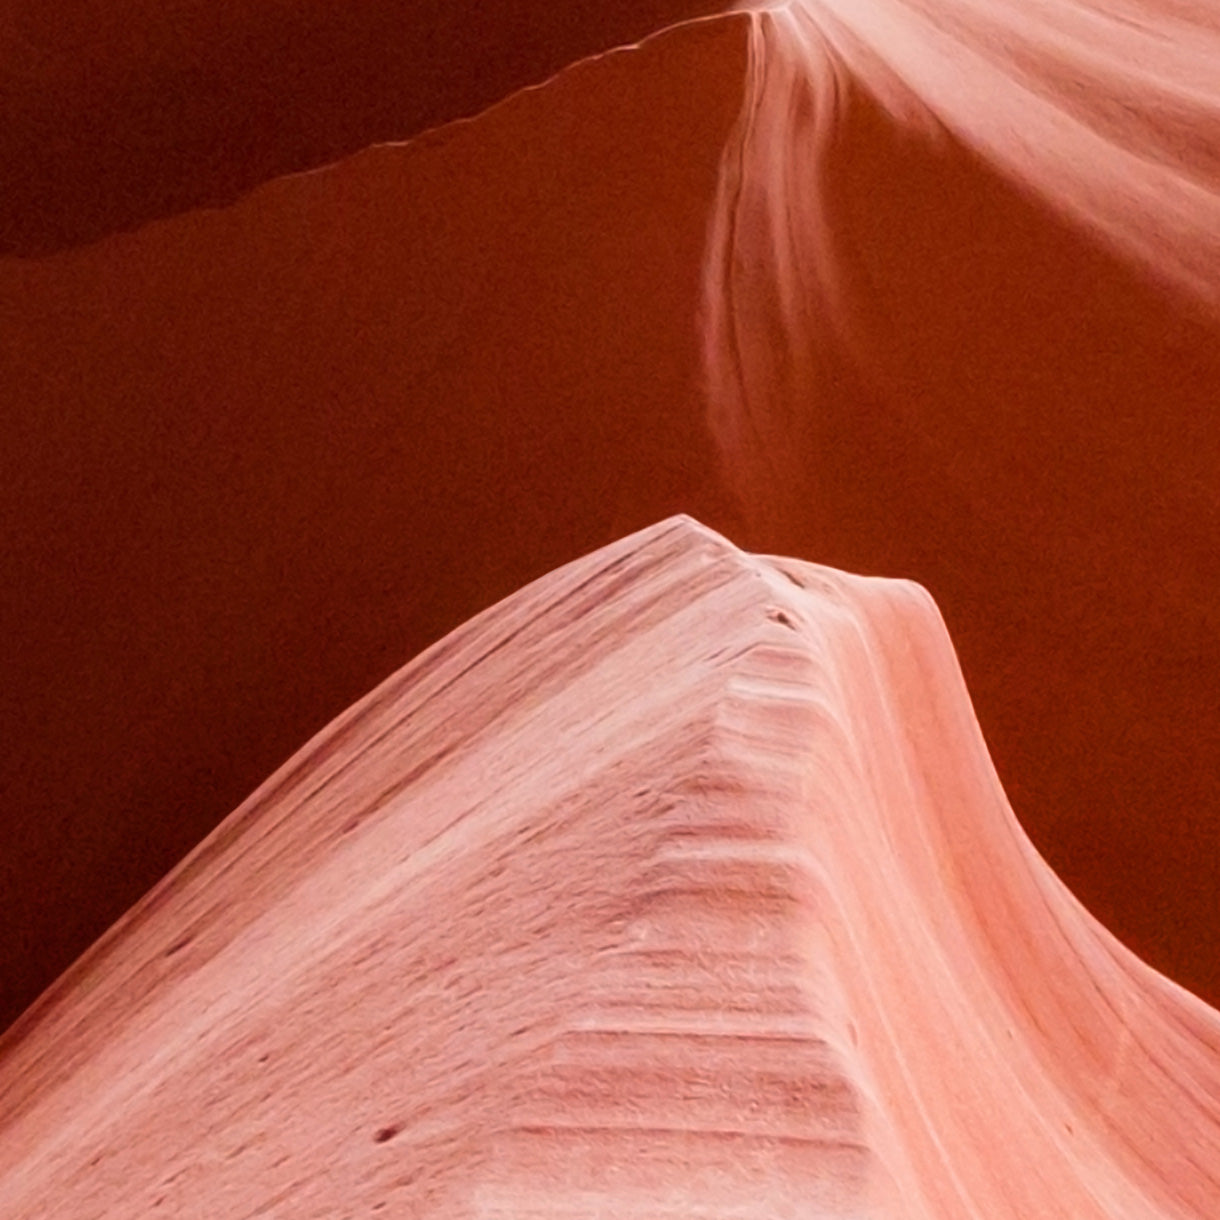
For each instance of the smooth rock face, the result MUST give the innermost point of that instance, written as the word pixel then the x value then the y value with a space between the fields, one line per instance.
pixel 677 884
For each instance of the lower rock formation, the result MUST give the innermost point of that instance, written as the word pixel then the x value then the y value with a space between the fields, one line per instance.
pixel 677 884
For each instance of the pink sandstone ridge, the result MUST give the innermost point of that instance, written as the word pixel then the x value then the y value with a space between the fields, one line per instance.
pixel 678 884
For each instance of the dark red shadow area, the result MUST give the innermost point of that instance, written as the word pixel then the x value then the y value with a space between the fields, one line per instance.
pixel 116 111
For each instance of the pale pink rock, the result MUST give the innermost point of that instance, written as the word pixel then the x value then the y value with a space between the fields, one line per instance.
pixel 677 884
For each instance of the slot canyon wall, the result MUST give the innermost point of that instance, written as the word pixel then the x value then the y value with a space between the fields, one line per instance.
pixel 299 374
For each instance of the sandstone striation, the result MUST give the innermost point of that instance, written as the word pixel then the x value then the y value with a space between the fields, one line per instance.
pixel 677 884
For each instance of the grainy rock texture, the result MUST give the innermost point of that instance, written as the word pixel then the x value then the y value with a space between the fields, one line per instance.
pixel 677 884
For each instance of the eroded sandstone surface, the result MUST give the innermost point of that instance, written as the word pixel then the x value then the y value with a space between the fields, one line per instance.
pixel 912 290
pixel 679 883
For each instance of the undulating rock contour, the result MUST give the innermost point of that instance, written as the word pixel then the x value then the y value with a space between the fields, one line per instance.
pixel 909 290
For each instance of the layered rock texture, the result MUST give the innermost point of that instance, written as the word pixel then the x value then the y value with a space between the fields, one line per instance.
pixel 827 298
pixel 677 884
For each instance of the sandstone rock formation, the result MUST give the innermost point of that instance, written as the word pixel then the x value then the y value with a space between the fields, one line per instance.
pixel 254 458
pixel 677 884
